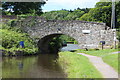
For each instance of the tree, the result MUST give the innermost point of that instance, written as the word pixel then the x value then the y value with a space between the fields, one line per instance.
pixel 86 10
pixel 59 15
pixel 101 4
pixel 64 14
pixel 102 13
pixel 18 8
pixel 75 15
pixel 118 14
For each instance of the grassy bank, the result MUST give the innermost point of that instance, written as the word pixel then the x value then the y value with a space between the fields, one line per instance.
pixel 77 66
pixel 111 59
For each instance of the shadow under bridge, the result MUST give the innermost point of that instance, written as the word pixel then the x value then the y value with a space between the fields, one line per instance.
pixel 49 44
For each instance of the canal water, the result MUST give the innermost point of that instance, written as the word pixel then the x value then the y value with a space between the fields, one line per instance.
pixel 39 66
pixel 70 47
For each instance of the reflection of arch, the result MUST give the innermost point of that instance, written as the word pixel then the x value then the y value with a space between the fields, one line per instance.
pixel 47 64
pixel 43 43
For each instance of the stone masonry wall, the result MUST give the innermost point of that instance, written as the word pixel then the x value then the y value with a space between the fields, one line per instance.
pixel 38 28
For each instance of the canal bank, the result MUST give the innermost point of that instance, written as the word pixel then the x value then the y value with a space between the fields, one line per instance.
pixel 77 66
pixel 18 52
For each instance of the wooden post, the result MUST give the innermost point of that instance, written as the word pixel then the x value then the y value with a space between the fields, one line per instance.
pixel 102 46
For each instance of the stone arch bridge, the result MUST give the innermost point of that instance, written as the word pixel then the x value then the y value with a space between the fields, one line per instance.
pixel 88 34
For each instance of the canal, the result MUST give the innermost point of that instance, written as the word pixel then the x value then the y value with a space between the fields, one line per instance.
pixel 39 66
pixel 70 47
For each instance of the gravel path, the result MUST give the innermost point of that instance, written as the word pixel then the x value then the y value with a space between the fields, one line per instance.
pixel 106 70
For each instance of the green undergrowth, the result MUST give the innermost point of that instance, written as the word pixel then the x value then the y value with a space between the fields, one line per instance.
pixel 18 51
pixel 10 38
pixel 77 66
pixel 111 59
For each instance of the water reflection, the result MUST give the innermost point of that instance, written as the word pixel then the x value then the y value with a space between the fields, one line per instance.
pixel 48 61
pixel 42 66
pixel 70 47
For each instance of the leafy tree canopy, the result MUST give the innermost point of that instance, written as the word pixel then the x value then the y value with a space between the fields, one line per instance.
pixel 18 8
pixel 102 13
pixel 66 14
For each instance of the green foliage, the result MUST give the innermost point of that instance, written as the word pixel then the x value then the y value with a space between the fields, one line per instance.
pixel 57 42
pixel 87 17
pixel 11 39
pixel 102 13
pixel 23 16
pixel 55 14
pixel 101 4
pixel 5 13
pixel 66 38
pixel 117 14
pixel 18 51
pixel 65 14
pixel 74 15
pixel 17 8
pixel 77 66
pixel 98 14
pixel 11 27
pixel 11 23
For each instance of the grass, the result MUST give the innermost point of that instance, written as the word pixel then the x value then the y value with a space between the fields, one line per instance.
pixel 100 53
pixel 77 66
pixel 111 59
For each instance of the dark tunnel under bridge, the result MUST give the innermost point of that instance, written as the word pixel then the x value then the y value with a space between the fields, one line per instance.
pixel 43 44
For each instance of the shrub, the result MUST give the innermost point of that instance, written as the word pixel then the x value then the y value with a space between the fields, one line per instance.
pixel 12 38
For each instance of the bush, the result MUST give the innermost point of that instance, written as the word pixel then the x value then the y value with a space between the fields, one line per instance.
pixel 11 39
